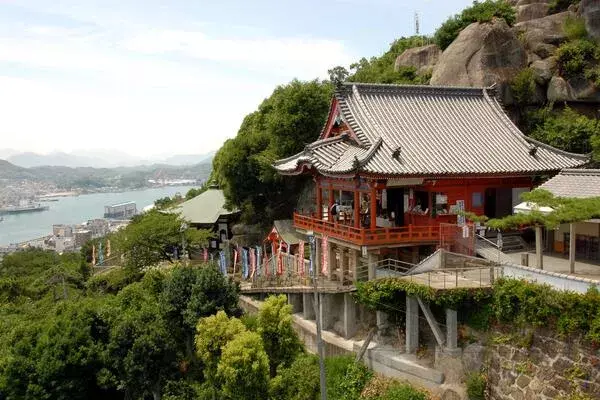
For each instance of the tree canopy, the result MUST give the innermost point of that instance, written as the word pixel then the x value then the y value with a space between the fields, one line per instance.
pixel 284 123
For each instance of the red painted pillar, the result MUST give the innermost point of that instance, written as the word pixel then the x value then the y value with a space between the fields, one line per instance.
pixel 330 203
pixel 373 205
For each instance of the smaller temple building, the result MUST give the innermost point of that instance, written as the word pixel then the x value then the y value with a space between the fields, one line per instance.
pixel 208 211
pixel 284 237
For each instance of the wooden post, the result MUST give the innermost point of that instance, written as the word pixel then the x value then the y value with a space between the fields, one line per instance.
pixel 538 247
pixel 373 206
pixel 330 203
pixel 572 247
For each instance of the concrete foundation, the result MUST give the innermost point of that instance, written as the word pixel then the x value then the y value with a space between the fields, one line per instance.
pixel 349 321
pixel 451 330
pixel 327 316
pixel 296 301
pixel 308 306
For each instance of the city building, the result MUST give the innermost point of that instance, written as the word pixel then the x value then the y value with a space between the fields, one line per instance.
pixel 61 230
pixel 99 227
pixel 81 237
pixel 121 211
pixel 402 164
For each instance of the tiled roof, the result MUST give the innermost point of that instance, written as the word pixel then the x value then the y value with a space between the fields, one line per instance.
pixel 426 130
pixel 575 183
pixel 285 229
pixel 204 209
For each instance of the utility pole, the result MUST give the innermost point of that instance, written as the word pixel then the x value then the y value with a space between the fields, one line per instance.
pixel 317 305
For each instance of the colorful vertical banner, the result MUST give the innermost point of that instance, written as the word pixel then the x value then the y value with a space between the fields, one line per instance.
pixel 301 258
pixel 313 244
pixel 279 260
pixel 205 255
pixel 223 262
pixel 235 259
pixel 245 269
pixel 324 255
pixel 252 263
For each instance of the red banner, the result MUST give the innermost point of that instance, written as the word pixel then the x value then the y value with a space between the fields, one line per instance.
pixel 252 263
pixel 301 258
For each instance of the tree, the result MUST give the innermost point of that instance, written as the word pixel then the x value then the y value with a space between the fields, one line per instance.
pixel 244 368
pixel 152 237
pixel 275 327
pixel 300 381
pixel 284 123
pixel 212 334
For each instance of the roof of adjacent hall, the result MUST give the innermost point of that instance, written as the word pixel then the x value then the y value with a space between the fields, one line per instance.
pixel 400 130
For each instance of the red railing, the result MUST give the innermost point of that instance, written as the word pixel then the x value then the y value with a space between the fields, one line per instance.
pixel 367 236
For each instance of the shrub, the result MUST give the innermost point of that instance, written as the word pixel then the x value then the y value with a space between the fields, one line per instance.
pixel 483 11
pixel 575 28
pixel 403 391
pixel 336 368
pixel 576 56
pixel 523 86
pixel 568 130
pixel 298 382
pixel 355 379
pixel 476 386
pixel 593 74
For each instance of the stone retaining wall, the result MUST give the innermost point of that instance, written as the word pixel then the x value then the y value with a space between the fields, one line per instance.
pixel 548 369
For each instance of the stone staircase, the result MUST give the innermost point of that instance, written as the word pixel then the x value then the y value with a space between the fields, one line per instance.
pixel 489 250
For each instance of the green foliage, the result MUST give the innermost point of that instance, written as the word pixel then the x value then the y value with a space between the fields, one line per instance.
pixel 575 28
pixel 112 281
pixel 568 130
pixel 575 56
pixel 523 86
pixel 335 370
pixel 152 237
pixel 275 327
pixel 355 379
pixel 283 124
pixel 483 11
pixel 193 192
pixel 300 381
pixel 381 69
pixel 403 391
pixel 476 384
pixel 593 74
pixel 557 6
pixel 244 367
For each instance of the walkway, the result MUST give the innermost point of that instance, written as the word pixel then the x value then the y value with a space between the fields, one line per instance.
pixel 561 265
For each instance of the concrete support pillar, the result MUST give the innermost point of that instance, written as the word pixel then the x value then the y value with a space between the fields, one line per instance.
pixel 572 247
pixel 331 259
pixel 308 306
pixel 451 329
pixel 539 258
pixel 415 255
pixel 349 316
pixel 325 311
pixel 318 249
pixel 296 301
pixel 412 325
pixel 372 264
pixel 355 255
pixel 342 265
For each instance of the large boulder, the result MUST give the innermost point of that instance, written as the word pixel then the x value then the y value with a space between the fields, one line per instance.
pixel 590 11
pixel 531 11
pixel 547 30
pixel 519 3
pixel 481 55
pixel 424 57
pixel 584 90
pixel 559 90
pixel 543 70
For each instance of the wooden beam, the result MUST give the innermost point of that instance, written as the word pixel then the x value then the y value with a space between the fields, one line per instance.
pixel 373 206
pixel 437 332
pixel 572 247
pixel 356 212
pixel 319 201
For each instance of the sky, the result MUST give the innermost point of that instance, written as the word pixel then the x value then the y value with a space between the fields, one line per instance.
pixel 152 77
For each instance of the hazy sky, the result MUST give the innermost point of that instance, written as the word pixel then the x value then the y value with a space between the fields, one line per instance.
pixel 174 76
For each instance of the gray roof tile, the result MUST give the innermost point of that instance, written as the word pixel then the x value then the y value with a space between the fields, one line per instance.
pixel 438 131
pixel 575 183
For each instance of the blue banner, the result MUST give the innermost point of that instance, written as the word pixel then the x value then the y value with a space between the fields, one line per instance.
pixel 223 262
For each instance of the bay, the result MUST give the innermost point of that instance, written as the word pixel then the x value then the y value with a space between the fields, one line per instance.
pixel 74 210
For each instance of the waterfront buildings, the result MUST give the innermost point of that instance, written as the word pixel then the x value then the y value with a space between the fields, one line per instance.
pixel 120 211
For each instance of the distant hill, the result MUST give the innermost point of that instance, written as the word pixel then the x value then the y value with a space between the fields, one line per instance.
pixel 99 159
pixel 93 178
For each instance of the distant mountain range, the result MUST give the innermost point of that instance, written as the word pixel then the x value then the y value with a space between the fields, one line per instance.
pixel 88 178
pixel 98 159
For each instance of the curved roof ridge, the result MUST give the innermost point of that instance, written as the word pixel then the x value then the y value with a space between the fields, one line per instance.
pixel 512 128
pixel 579 171
pixel 407 88
pixel 378 132
pixel 583 157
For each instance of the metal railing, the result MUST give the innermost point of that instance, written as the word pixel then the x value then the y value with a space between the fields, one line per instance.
pixel 455 278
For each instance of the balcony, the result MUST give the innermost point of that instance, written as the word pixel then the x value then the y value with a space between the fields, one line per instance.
pixel 410 234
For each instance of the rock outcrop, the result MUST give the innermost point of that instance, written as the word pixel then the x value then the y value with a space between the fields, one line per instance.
pixel 422 58
pixel 483 54
pixel 531 11
pixel 559 90
pixel 590 11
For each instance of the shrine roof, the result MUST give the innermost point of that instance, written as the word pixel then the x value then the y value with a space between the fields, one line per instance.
pixel 400 130
pixel 574 183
